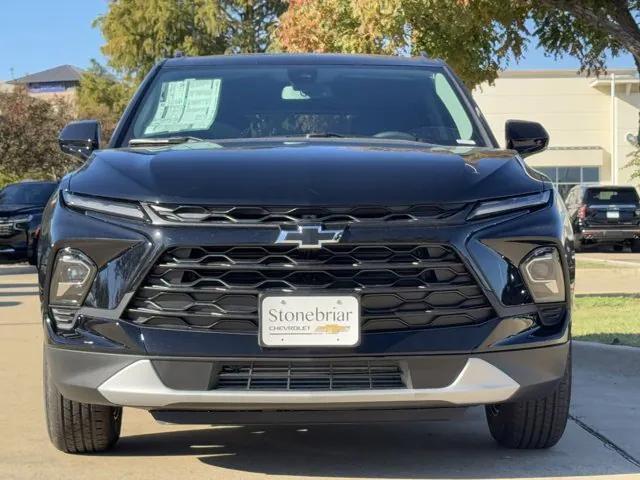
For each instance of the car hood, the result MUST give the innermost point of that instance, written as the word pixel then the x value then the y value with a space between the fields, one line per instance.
pixel 286 172
pixel 8 210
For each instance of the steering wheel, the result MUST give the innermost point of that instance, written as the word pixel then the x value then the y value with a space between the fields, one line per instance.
pixel 396 135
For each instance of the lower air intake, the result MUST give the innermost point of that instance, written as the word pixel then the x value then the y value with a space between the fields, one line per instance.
pixel 310 376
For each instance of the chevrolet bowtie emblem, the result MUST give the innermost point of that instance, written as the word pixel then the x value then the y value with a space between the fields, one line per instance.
pixel 309 236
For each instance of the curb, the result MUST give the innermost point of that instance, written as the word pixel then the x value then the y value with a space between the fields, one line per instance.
pixel 608 294
pixel 607 359
pixel 624 263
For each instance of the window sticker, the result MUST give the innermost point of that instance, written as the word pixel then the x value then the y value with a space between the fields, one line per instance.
pixel 186 105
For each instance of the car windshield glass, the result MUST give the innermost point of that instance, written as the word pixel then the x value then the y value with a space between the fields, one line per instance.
pixel 324 101
pixel 26 194
pixel 605 196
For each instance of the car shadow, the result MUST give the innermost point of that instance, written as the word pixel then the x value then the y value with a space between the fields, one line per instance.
pixel 19 285
pixel 18 269
pixel 386 451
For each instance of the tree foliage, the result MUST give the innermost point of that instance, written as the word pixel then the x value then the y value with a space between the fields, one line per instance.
pixel 29 129
pixel 138 33
pixel 590 30
pixel 102 96
pixel 477 38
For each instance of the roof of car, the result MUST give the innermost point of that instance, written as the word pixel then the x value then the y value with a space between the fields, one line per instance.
pixel 301 59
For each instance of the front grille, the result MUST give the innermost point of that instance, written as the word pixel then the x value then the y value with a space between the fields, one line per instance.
pixel 6 229
pixel 231 215
pixel 400 286
pixel 371 375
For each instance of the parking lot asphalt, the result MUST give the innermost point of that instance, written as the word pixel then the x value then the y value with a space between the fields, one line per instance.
pixel 602 438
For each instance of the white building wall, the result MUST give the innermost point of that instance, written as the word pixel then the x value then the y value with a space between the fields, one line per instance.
pixel 575 110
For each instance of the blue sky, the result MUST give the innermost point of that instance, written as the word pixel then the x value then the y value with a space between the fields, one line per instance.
pixel 40 34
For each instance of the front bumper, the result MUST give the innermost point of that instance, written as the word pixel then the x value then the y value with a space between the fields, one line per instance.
pixel 14 247
pixel 431 381
pixel 604 235
pixel 107 359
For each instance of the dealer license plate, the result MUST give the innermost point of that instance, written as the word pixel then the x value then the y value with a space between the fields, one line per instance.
pixel 309 320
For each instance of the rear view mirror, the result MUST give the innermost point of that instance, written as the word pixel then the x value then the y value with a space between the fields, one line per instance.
pixel 526 138
pixel 80 138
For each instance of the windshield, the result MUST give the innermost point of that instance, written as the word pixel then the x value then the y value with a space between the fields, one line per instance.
pixel 407 103
pixel 26 194
pixel 606 196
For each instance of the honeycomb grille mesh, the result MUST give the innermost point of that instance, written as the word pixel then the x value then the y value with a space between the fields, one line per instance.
pixel 400 286
pixel 239 215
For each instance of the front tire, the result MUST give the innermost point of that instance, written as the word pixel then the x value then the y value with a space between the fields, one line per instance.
pixel 577 246
pixel 635 245
pixel 76 427
pixel 33 257
pixel 532 424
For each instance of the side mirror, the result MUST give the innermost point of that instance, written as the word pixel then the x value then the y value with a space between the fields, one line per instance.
pixel 526 138
pixel 80 138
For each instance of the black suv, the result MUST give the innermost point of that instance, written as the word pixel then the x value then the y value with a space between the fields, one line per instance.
pixel 605 215
pixel 305 238
pixel 21 206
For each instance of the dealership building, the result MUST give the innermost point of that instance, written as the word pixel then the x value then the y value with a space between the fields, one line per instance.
pixel 592 122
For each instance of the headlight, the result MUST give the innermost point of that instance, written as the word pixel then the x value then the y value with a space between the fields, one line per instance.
pixel 72 276
pixel 103 205
pixel 21 222
pixel 495 207
pixel 542 271
pixel 21 219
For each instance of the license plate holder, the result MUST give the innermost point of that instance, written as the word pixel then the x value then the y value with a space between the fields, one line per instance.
pixel 309 320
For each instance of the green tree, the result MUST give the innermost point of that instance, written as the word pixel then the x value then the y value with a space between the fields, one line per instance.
pixel 103 96
pixel 29 129
pixel 138 33
pixel 592 31
pixel 587 29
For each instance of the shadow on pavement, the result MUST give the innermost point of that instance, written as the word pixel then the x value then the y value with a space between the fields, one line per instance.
pixel 387 451
pixel 9 304
pixel 16 269
pixel 19 285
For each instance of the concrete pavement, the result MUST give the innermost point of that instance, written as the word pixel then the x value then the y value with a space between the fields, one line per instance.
pixel 602 442
pixel 617 273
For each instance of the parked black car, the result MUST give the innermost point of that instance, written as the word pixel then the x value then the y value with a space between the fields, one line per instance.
pixel 305 238
pixel 605 215
pixel 21 206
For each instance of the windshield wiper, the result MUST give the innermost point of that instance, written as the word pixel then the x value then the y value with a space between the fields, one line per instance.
pixel 151 141
pixel 324 135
